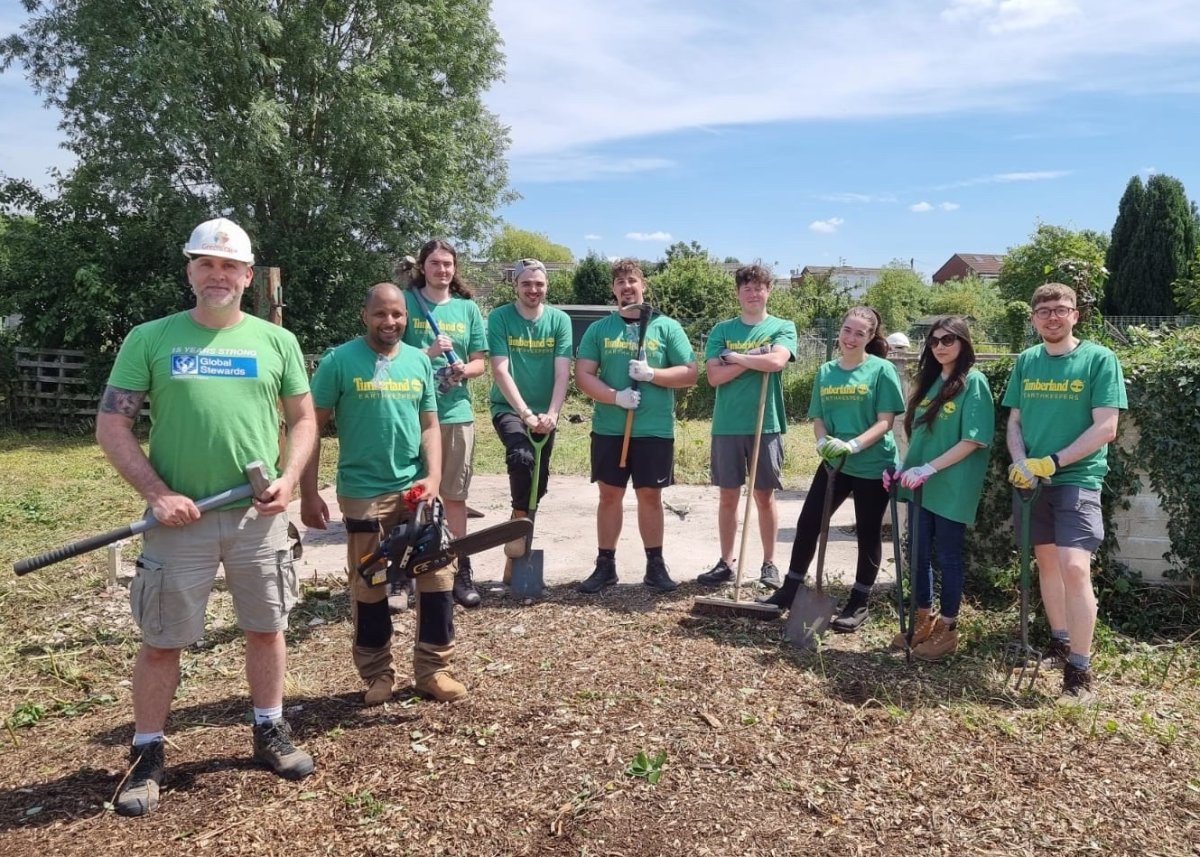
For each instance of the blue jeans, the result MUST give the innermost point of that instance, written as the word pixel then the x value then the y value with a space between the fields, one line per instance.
pixel 929 533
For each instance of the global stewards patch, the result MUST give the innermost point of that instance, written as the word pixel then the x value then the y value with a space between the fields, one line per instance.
pixel 213 366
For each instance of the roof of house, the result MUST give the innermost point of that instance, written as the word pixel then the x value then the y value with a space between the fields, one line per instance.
pixel 983 264
pixel 850 270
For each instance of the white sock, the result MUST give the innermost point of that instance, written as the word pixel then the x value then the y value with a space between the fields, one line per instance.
pixel 266 715
pixel 140 739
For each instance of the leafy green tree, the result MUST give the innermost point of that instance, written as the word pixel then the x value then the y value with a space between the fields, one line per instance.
pixel 683 250
pixel 1158 253
pixel 338 134
pixel 1187 287
pixel 560 289
pixel 513 243
pixel 899 295
pixel 696 291
pixel 822 299
pixel 592 280
pixel 1129 215
pixel 973 298
pixel 1028 266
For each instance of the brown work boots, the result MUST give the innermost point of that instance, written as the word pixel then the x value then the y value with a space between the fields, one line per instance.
pixel 933 638
pixel 379 690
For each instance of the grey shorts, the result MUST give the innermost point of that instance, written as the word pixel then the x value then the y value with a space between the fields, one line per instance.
pixel 178 565
pixel 1064 515
pixel 729 460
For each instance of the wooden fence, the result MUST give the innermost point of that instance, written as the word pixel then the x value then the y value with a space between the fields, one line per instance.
pixel 53 387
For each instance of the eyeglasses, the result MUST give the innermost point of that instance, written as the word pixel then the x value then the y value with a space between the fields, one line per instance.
pixel 945 340
pixel 1057 311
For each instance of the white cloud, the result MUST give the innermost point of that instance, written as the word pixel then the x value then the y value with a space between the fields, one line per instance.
pixel 949 206
pixel 1149 171
pixel 590 80
pixel 1007 178
pixel 920 207
pixel 592 236
pixel 826 226
pixel 648 236
pixel 579 166
pixel 856 197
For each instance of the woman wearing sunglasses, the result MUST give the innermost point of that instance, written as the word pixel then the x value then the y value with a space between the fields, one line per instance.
pixel 950 421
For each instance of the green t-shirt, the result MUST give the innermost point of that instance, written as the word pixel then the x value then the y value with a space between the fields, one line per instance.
pixel 736 409
pixel 460 319
pixel 1056 395
pixel 850 401
pixel 954 492
pixel 612 343
pixel 213 395
pixel 378 409
pixel 531 348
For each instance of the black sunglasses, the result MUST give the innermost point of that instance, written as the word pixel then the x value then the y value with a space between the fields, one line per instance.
pixel 945 340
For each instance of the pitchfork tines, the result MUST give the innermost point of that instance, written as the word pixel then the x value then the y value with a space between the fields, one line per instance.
pixel 1024 662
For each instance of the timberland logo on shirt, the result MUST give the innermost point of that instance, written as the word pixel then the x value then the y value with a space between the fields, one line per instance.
pixel 949 408
pixel 623 344
pixel 1033 385
pixel 447 327
pixel 1076 386
pixel 388 385
pixel 844 390
pixel 745 344
pixel 528 342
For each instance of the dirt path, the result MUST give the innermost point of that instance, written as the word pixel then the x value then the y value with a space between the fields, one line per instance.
pixel 566 531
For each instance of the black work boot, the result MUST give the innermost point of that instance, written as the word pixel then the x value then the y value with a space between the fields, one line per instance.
pixel 853 614
pixel 657 576
pixel 139 795
pixel 786 594
pixel 718 574
pixel 274 748
pixel 465 592
pixel 1077 686
pixel 1054 656
pixel 604 575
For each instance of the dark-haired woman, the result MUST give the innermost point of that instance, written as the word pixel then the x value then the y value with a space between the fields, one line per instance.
pixel 854 400
pixel 950 421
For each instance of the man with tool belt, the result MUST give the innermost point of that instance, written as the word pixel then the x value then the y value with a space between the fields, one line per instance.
pixel 214 376
pixel 1066 396
pixel 529 347
pixel 379 391
pixel 437 286
pixel 607 370
pixel 738 351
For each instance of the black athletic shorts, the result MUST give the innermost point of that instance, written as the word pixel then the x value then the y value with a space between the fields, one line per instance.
pixel 651 461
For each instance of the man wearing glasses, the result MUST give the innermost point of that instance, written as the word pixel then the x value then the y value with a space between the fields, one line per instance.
pixel 529 344
pixel 738 353
pixel 1066 395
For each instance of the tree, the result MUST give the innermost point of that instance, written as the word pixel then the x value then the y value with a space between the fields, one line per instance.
pixel 682 250
pixel 1187 287
pixel 338 134
pixel 592 281
pixel 973 298
pixel 513 243
pixel 1159 247
pixel 899 296
pixel 1129 214
pixel 696 291
pixel 1028 266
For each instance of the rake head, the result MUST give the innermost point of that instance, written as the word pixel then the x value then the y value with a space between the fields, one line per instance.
pixel 1024 662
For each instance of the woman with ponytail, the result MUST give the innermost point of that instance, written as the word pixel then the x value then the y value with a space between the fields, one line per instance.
pixel 950 422
pixel 854 400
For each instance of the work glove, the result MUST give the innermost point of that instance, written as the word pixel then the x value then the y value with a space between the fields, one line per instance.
pixel 639 370
pixel 833 448
pixel 1020 476
pixel 889 478
pixel 915 477
pixel 629 399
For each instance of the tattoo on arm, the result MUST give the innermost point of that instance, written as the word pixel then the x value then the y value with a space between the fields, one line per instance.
pixel 127 403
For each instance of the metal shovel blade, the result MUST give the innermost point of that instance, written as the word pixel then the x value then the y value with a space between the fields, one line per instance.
pixel 528 579
pixel 809 617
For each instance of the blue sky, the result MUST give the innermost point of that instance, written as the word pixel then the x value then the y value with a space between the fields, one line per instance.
pixel 814 131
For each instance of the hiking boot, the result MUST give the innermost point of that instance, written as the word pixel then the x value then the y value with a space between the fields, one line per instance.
pixel 441 687
pixel 274 748
pixel 400 594
pixel 942 641
pixel 1077 686
pixel 1054 656
pixel 921 631
pixel 853 614
pixel 769 576
pixel 139 795
pixel 465 592
pixel 379 690
pixel 657 576
pixel 784 595
pixel 604 575
pixel 715 576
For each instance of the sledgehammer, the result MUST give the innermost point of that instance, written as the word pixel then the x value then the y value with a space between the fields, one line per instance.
pixel 256 483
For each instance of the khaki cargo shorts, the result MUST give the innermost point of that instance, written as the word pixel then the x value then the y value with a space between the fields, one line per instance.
pixel 458 458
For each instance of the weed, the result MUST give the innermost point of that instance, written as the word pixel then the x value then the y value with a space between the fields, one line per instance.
pixel 368 806
pixel 26 714
pixel 646 767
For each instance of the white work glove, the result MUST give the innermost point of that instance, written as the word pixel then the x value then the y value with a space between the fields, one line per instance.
pixel 639 370
pixel 915 477
pixel 628 399
pixel 834 448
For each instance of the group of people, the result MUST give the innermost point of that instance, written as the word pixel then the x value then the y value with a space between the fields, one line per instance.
pixel 399 397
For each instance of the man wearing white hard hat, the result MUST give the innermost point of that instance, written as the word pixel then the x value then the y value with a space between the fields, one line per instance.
pixel 213 375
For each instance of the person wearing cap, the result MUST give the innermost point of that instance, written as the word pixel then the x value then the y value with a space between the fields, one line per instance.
pixel 213 376
pixel 529 344
pixel 738 353
pixel 605 367
pixel 458 353
pixel 380 392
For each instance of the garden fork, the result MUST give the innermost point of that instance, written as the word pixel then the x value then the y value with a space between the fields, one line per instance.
pixel 1020 653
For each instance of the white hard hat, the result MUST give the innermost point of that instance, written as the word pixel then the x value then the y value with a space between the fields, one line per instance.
pixel 222 238
pixel 898 340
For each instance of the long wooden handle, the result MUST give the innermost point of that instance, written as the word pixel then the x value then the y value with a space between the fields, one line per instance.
pixel 625 440
pixel 758 430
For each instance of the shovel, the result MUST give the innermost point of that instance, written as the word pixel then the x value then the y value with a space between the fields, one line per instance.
pixel 527 571
pixel 1019 653
pixel 812 609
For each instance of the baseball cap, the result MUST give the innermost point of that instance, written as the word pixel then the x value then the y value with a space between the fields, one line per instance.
pixel 524 265
pixel 220 237
pixel 898 340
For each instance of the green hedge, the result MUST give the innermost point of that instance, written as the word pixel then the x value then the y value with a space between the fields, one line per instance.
pixel 696 403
